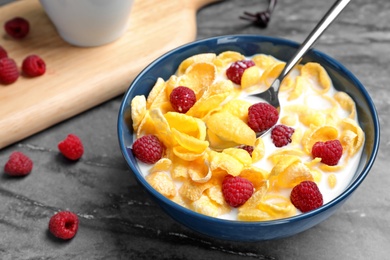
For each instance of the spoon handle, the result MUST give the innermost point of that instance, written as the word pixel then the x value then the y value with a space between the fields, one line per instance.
pixel 329 17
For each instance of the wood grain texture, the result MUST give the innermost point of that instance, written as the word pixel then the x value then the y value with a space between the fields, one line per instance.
pixel 80 78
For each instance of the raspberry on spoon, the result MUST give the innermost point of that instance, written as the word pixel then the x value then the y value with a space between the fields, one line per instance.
pixel 262 116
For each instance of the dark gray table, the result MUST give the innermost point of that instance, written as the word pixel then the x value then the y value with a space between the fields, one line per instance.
pixel 119 221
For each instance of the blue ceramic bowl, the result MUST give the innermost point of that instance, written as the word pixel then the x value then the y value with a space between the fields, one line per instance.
pixel 249 45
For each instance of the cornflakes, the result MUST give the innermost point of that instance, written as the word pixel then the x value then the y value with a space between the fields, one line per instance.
pixel 138 110
pixel 193 190
pixel 162 182
pixel 346 102
pixel 225 162
pixel 146 126
pixel 203 57
pixel 227 57
pixel 186 124
pixel 240 154
pixel 238 108
pixel 199 171
pixel 199 76
pixel 332 181
pixel 352 136
pixel 185 154
pixel 250 77
pixel 164 164
pixel 205 206
pixel 277 206
pixel 317 74
pixel 164 132
pixel 156 94
pixel 220 124
pixel 318 134
pixel 258 150
pixel 204 145
pixel 271 73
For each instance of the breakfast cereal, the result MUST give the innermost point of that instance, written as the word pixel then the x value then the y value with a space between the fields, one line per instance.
pixel 205 144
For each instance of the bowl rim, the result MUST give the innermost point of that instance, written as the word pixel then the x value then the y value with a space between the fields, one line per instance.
pixel 249 37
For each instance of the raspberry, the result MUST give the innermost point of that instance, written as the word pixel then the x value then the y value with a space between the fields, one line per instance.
pixel 236 190
pixel 330 152
pixel 306 196
pixel 64 225
pixel 18 164
pixel 281 135
pixel 8 71
pixel 17 27
pixel 71 147
pixel 262 116
pixel 33 66
pixel 182 99
pixel 148 149
pixel 3 53
pixel 247 148
pixel 236 69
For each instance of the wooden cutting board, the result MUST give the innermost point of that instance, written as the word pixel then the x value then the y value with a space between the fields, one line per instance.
pixel 76 78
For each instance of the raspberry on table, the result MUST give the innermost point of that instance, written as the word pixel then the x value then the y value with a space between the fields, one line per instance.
pixel 18 164
pixel 262 116
pixel 71 147
pixel 236 190
pixel 148 149
pixel 247 148
pixel 330 152
pixel 236 69
pixel 33 66
pixel 182 99
pixel 17 27
pixel 306 196
pixel 64 225
pixel 281 135
pixel 3 53
pixel 9 72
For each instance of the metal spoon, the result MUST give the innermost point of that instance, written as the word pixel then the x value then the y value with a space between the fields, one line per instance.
pixel 271 94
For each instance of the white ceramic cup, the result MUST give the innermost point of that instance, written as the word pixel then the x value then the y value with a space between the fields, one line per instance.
pixel 89 23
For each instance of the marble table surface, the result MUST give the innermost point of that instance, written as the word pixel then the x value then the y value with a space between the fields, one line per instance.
pixel 119 221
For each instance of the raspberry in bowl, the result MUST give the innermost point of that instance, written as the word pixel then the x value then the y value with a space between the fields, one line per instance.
pixel 217 129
